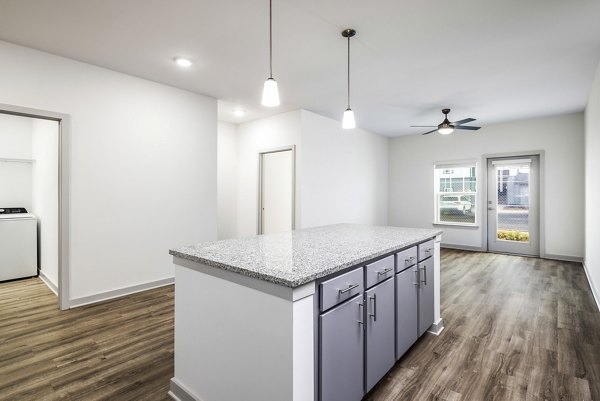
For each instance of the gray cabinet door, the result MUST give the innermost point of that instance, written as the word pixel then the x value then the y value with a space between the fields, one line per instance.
pixel 406 310
pixel 341 352
pixel 425 295
pixel 380 337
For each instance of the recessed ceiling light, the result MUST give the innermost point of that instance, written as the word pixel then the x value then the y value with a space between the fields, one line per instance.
pixel 239 112
pixel 183 62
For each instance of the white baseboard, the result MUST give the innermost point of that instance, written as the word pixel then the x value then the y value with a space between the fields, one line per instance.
pixel 462 247
pixel 566 258
pixel 595 291
pixel 48 282
pixel 178 392
pixel 121 292
pixel 436 328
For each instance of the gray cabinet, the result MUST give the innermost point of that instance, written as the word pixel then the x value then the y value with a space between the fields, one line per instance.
pixel 426 295
pixel 380 336
pixel 407 292
pixel 341 352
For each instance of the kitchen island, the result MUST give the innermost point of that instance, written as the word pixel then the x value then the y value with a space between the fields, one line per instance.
pixel 312 314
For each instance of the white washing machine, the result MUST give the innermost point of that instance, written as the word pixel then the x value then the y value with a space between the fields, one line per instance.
pixel 18 243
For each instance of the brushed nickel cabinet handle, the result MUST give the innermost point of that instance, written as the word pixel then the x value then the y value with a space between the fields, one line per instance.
pixel 384 272
pixel 409 260
pixel 350 288
pixel 360 305
pixel 374 314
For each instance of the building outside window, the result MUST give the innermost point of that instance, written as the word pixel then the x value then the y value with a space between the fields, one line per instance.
pixel 455 187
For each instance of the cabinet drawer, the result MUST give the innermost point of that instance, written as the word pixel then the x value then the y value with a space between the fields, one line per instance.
pixel 425 250
pixel 406 258
pixel 341 288
pixel 380 270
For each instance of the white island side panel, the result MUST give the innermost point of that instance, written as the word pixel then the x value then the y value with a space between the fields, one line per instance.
pixel 234 342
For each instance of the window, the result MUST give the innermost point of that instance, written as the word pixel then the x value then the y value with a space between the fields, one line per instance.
pixel 456 193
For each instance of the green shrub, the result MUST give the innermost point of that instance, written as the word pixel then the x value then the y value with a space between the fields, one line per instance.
pixel 513 235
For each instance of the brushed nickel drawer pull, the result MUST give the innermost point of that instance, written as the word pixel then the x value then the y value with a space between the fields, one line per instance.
pixel 409 260
pixel 384 272
pixel 350 288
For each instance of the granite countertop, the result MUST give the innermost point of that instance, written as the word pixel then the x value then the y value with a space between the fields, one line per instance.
pixel 301 256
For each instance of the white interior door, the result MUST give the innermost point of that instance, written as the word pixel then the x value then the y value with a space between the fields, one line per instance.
pixel 276 209
pixel 513 205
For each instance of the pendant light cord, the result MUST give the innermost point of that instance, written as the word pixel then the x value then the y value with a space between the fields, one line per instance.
pixel 348 71
pixel 270 38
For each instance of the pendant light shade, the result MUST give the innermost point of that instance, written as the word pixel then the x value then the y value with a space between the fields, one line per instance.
pixel 348 121
pixel 270 97
pixel 446 131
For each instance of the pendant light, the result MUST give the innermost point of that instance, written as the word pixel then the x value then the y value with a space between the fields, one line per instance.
pixel 270 97
pixel 348 121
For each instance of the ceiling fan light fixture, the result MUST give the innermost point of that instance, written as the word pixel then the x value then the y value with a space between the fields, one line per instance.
pixel 348 122
pixel 270 96
pixel 446 130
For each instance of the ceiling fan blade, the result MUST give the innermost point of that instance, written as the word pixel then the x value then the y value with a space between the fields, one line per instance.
pixel 467 127
pixel 423 126
pixel 466 120
pixel 430 132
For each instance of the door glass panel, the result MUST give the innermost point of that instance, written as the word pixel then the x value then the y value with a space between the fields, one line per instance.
pixel 512 213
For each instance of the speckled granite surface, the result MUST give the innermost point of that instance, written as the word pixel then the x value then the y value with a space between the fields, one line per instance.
pixel 301 256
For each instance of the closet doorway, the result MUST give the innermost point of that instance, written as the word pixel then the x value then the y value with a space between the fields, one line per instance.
pixel 34 174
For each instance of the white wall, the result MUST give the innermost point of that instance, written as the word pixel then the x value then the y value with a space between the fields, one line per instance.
pixel 227 179
pixel 45 194
pixel 143 165
pixel 267 133
pixel 15 178
pixel 412 157
pixel 341 176
pixel 344 174
pixel 592 187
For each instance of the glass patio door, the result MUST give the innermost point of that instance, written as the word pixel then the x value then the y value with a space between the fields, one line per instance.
pixel 513 205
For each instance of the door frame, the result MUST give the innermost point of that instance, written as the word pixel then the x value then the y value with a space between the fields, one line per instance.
pixel 64 190
pixel 261 153
pixel 542 199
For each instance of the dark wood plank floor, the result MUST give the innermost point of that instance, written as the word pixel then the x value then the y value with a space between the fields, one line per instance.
pixel 516 329
pixel 116 350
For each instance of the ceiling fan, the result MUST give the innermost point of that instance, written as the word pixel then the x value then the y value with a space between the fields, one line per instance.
pixel 446 127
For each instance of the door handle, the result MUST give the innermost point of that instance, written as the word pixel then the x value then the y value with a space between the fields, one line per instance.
pixel 424 280
pixel 374 314
pixel 418 276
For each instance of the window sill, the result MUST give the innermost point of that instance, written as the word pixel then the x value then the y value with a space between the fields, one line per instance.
pixel 463 225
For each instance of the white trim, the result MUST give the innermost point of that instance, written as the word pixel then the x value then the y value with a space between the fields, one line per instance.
pixel 48 282
pixel 504 162
pixel 7 160
pixel 565 258
pixel 179 392
pixel 462 247
pixel 455 163
pixel 449 224
pixel 595 292
pixel 105 296
pixel 436 328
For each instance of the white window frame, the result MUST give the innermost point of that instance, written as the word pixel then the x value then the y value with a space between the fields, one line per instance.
pixel 451 165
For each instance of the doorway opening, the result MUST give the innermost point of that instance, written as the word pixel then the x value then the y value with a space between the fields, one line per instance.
pixel 513 205
pixel 34 197
pixel 276 190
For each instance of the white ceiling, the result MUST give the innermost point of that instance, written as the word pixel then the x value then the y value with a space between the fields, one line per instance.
pixel 492 60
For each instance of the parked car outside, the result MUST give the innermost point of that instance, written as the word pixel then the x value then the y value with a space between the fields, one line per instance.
pixel 455 204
